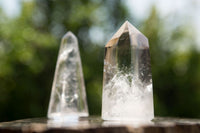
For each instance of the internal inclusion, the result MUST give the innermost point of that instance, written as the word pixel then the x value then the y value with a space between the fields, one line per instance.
pixel 125 97
pixel 127 91
pixel 127 80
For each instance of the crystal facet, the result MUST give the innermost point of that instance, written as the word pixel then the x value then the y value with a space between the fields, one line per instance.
pixel 68 96
pixel 127 80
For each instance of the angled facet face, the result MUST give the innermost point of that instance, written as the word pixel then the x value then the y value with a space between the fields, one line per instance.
pixel 68 96
pixel 127 80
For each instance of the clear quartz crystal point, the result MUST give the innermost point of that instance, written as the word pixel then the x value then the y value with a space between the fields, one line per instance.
pixel 68 96
pixel 127 80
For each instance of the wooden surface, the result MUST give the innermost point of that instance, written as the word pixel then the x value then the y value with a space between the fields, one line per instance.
pixel 96 125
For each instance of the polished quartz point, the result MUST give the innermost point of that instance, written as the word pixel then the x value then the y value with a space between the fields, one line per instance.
pixel 127 80
pixel 68 96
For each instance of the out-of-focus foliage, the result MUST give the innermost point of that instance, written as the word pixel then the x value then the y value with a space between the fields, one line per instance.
pixel 29 45
pixel 175 66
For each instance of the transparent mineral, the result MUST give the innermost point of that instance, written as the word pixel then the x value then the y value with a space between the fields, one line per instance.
pixel 127 80
pixel 68 96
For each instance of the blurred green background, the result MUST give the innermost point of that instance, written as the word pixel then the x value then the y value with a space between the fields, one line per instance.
pixel 30 39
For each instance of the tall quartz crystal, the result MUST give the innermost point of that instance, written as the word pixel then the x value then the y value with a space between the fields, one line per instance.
pixel 68 97
pixel 127 80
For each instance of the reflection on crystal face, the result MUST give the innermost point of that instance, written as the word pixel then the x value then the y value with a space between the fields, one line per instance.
pixel 127 82
pixel 68 98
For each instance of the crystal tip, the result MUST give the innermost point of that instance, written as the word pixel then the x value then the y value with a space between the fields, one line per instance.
pixel 69 34
pixel 127 22
pixel 141 40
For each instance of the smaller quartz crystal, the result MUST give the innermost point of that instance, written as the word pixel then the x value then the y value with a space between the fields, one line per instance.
pixel 68 96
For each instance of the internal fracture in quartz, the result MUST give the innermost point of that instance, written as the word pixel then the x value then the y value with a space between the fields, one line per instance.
pixel 68 96
pixel 127 80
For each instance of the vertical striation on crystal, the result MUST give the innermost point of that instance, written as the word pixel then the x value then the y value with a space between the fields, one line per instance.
pixel 127 80
pixel 68 96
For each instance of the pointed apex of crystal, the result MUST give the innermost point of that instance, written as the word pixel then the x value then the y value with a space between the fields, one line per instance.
pixel 69 33
pixel 122 29
pixel 69 36
pixel 129 31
